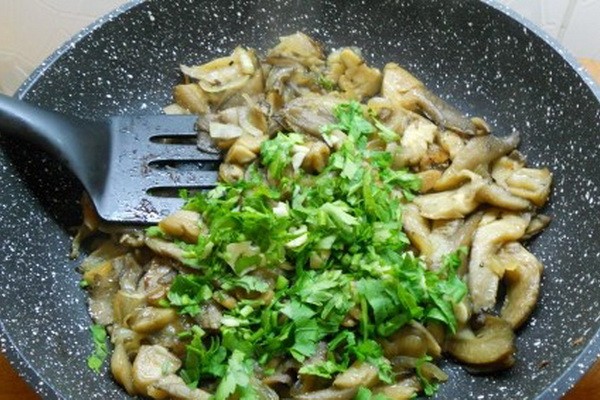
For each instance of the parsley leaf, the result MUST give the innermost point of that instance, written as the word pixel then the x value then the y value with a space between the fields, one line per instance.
pixel 237 378
pixel 97 358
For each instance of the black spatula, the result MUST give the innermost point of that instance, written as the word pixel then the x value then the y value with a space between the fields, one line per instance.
pixel 131 166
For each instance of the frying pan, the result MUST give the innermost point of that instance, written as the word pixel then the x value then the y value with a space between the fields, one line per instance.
pixel 477 55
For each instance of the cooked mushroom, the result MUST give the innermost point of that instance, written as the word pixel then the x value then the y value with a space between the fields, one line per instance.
pixel 497 196
pixel 411 340
pixel 522 275
pixel 404 390
pixel 125 303
pixel 477 155
pixel 353 76
pixel 451 204
pixel 182 224
pixel 121 368
pixel 359 374
pixel 408 92
pixel 296 49
pixel 328 394
pixel 156 281
pixel 416 138
pixel 428 179
pixel 103 283
pixel 165 248
pixel 529 183
pixel 489 348
pixel 225 80
pixel 192 98
pixel 150 319
pixel 173 387
pixel 492 234
pixel 538 223
pixel 150 365
pixel 310 113
pixel 230 173
pixel 316 157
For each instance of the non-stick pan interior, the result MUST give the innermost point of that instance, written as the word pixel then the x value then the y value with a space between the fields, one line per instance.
pixel 480 59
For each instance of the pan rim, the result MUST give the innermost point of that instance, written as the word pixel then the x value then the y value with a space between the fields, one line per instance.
pixel 571 375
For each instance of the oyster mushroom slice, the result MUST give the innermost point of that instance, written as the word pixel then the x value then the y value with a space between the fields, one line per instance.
pixel 476 155
pixel 497 196
pixel 151 364
pixel 310 113
pixel 294 49
pixel 489 237
pixel 173 386
pixel 408 92
pixel 451 204
pixel 442 237
pixel 489 348
pixel 329 394
pixel 522 275
pixel 353 76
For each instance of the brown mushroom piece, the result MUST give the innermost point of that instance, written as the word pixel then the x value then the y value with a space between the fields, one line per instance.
pixel 403 390
pixel 150 319
pixel 522 276
pixel 182 224
pixel 359 374
pixel 528 183
pixel 225 80
pixel 416 138
pixel 121 368
pixel 150 365
pixel 353 76
pixel 173 387
pixel 309 114
pixel 437 238
pixel 316 157
pixel 493 232
pixel 538 223
pixel 476 155
pixel 230 173
pixel 125 303
pixel 191 98
pixel 412 340
pixel 497 196
pixel 451 204
pixel 297 48
pixel 488 348
pixel 408 92
pixel 165 248
pixel 328 394
pixel 157 280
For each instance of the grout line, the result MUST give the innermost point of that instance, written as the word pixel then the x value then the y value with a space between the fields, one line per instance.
pixel 566 20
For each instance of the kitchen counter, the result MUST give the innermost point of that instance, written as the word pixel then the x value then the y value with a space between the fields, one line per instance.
pixel 13 387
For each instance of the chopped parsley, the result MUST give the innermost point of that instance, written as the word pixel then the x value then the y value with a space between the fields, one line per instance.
pixel 97 358
pixel 335 249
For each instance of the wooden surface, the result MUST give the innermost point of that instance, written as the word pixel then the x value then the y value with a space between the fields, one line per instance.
pixel 12 387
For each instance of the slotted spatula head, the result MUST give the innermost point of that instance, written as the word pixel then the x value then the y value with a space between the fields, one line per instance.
pixel 152 158
pixel 133 167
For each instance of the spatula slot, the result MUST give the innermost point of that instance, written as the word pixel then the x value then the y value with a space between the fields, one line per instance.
pixel 185 165
pixel 189 139
pixel 173 192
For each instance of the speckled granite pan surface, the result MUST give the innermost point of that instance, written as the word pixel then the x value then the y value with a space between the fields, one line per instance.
pixel 478 58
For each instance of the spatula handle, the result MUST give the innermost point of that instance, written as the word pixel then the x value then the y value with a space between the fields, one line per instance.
pixel 82 145
pixel 46 129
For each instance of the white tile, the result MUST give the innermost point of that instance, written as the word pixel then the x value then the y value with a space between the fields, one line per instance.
pixel 582 34
pixel 30 30
pixel 547 14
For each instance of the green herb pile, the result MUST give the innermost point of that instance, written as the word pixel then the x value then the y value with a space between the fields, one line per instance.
pixel 309 253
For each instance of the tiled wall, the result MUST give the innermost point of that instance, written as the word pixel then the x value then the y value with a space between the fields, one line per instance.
pixel 575 23
pixel 31 29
